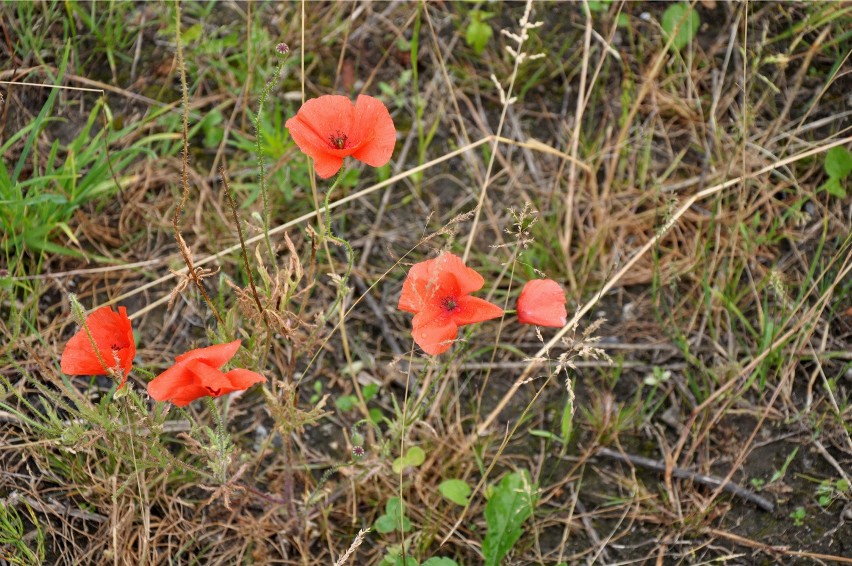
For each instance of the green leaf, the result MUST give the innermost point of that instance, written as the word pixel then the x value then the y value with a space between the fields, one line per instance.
pixel 191 33
pixel 780 473
pixel 394 507
pixel 390 559
pixel 42 116
pixel 566 425
pixel 833 187
pixel 385 524
pixel 456 491
pixel 370 391
pixel 376 415
pixel 688 27
pixel 390 521
pixel 838 162
pixel 545 434
pixel 346 403
pixel 478 32
pixel 440 561
pixel 511 503
pixel 414 457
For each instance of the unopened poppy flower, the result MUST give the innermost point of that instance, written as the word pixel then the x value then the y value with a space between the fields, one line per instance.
pixel 330 128
pixel 197 374
pixel 438 292
pixel 113 337
pixel 542 303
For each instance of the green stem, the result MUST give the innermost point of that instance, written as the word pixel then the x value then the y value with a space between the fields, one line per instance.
pixel 221 440
pixel 341 290
pixel 270 84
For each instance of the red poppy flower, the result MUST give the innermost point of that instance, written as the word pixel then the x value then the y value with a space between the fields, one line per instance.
pixel 542 303
pixel 113 337
pixel 196 374
pixel 438 291
pixel 330 128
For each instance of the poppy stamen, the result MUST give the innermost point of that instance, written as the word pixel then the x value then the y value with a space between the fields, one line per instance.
pixel 338 140
pixel 449 303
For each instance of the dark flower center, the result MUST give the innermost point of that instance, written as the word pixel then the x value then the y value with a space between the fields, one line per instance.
pixel 449 303
pixel 338 139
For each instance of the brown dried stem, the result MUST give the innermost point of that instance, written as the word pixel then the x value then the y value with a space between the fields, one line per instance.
pixel 184 249
pixel 244 254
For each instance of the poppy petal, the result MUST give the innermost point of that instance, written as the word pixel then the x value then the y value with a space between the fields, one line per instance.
pixel 413 296
pixel 429 280
pixel 184 395
pixel 435 336
pixel 542 302
pixel 373 126
pixel 79 357
pixel 215 356
pixel 470 310
pixel 319 120
pixel 164 386
pixel 209 377
pixel 113 336
pixel 126 355
pixel 467 279
pixel 243 379
pixel 306 137
pixel 327 165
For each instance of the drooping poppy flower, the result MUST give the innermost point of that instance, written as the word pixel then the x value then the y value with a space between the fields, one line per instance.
pixel 330 128
pixel 113 337
pixel 438 291
pixel 542 302
pixel 196 374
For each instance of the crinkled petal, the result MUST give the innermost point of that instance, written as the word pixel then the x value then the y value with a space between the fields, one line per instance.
pixel 126 355
pixel 243 379
pixel 164 386
pixel 182 396
pixel 542 302
pixel 319 120
pixel 113 336
pixel 470 310
pixel 79 358
pixel 413 295
pixel 435 336
pixel 428 281
pixel 467 279
pixel 215 356
pixel 373 128
pixel 209 377
pixel 327 165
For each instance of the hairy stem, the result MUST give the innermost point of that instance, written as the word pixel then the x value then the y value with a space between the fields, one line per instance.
pixel 184 249
pixel 244 254
pixel 350 254
pixel 221 439
pixel 258 137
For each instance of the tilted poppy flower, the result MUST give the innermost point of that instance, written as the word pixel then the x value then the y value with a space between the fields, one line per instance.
pixel 438 291
pixel 113 337
pixel 196 374
pixel 330 128
pixel 542 303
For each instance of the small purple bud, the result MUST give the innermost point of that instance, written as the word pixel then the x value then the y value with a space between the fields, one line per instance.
pixel 358 452
pixel 282 48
